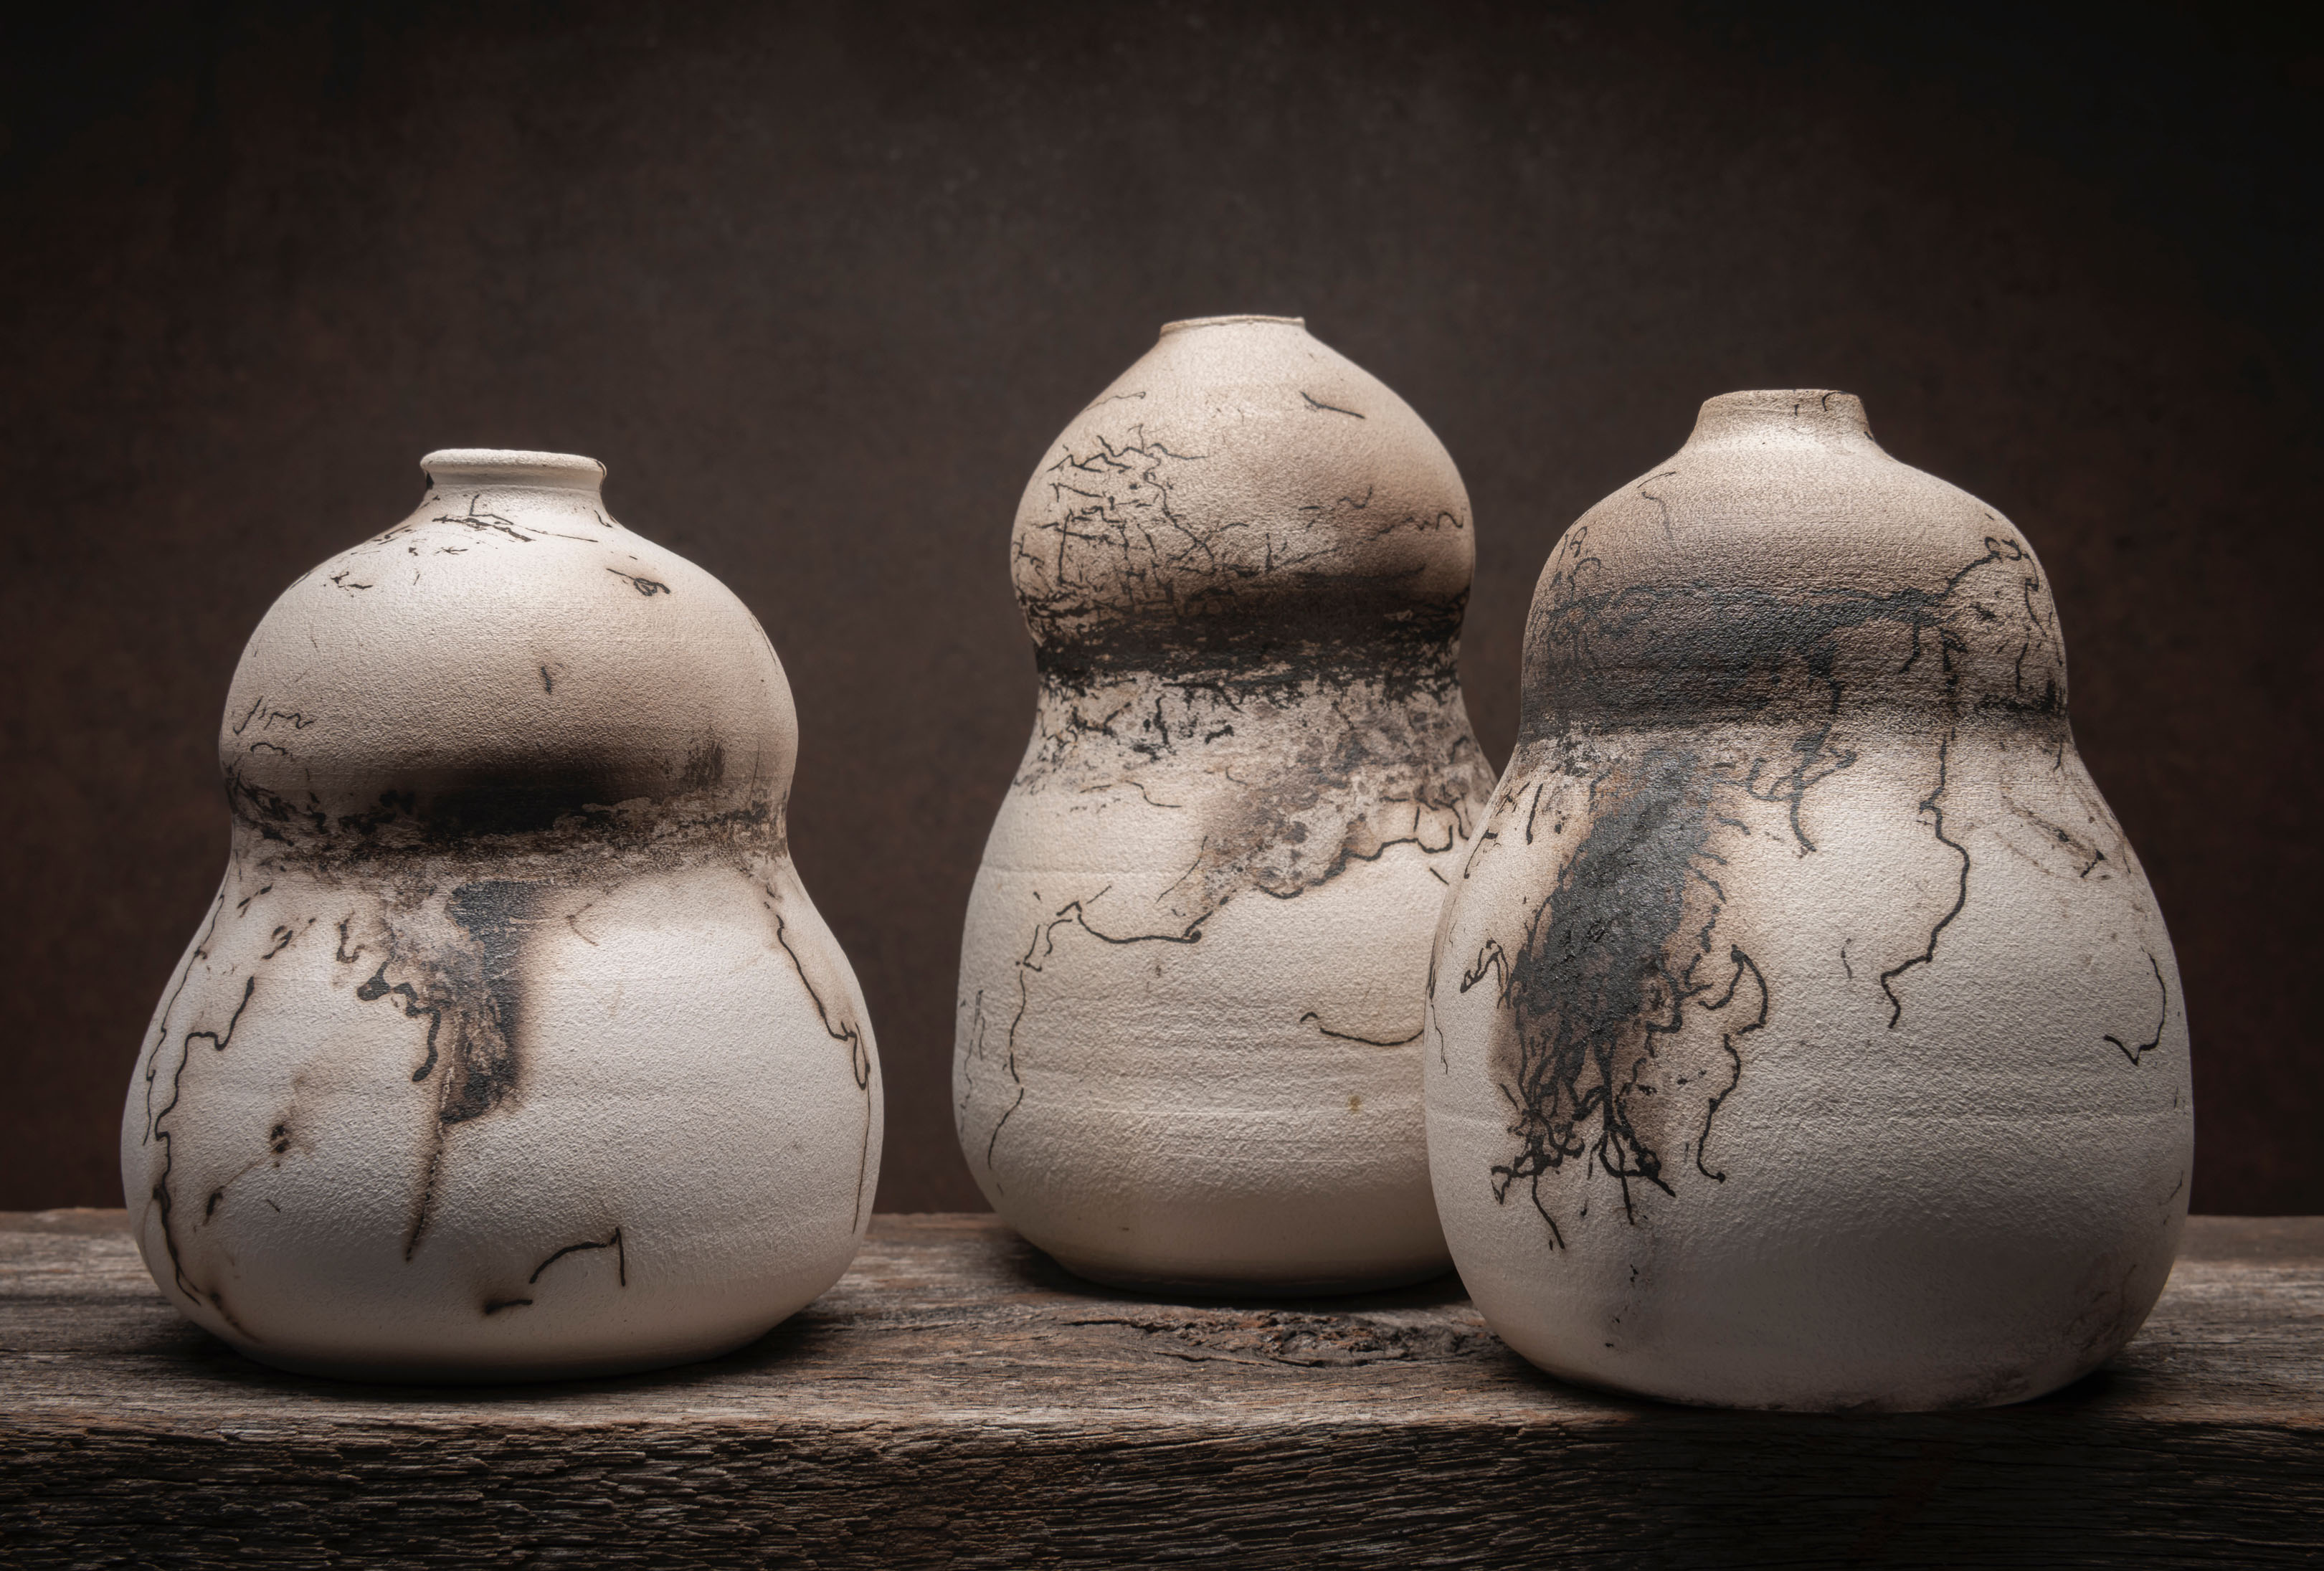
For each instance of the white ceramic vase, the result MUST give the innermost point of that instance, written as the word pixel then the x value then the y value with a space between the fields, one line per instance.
pixel 1805 1033
pixel 511 1047
pixel 1192 975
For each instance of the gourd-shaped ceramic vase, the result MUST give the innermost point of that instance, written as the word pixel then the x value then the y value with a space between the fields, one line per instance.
pixel 1805 1033
pixel 512 1045
pixel 1192 982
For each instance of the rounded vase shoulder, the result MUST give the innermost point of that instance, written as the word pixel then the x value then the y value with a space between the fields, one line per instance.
pixel 1805 1032
pixel 1192 977
pixel 510 1045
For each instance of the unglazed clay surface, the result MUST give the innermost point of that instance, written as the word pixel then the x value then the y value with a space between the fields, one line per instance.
pixel 512 1045
pixel 1804 1031
pixel 1192 982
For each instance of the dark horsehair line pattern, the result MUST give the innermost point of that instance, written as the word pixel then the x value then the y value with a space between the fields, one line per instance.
pixel 474 1073
pixel 1627 943
pixel 840 1021
pixel 1073 914
pixel 475 1070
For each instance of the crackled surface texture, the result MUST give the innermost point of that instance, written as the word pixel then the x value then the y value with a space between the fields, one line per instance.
pixel 956 1400
pixel 1805 1033
pixel 1191 985
pixel 511 1043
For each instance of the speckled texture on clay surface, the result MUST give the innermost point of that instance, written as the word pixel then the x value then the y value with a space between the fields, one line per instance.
pixel 512 1045
pixel 1190 1007
pixel 1804 1031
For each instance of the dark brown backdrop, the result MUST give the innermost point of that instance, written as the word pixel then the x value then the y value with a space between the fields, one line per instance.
pixel 818 285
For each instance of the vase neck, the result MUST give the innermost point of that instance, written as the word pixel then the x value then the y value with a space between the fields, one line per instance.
pixel 507 468
pixel 1192 323
pixel 1784 416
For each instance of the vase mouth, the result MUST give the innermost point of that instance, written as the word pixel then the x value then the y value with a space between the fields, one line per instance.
pixel 1782 414
pixel 1190 323
pixel 512 467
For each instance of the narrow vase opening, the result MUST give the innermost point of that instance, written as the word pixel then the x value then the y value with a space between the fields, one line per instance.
pixel 1192 322
pixel 1810 414
pixel 497 468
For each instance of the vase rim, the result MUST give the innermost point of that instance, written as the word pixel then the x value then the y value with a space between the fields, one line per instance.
pixel 1187 323
pixel 515 466
pixel 1815 413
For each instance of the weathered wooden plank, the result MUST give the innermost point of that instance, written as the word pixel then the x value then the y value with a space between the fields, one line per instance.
pixel 957 1400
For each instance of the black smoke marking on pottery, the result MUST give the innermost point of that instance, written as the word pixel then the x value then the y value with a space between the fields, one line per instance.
pixel 1286 656
pixel 1116 578
pixel 705 765
pixel 447 809
pixel 1625 948
pixel 1612 963
pixel 483 1070
pixel 1279 674
pixel 428 840
pixel 471 994
pixel 1321 769
pixel 493 803
pixel 1696 651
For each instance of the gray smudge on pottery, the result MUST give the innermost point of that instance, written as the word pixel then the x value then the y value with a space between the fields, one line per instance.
pixel 512 1045
pixel 1192 980
pixel 1804 1031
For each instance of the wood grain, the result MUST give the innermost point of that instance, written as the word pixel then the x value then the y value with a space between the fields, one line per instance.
pixel 959 1400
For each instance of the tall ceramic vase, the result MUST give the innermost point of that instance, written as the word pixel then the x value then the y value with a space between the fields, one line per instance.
pixel 512 1045
pixel 1805 1032
pixel 1192 982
